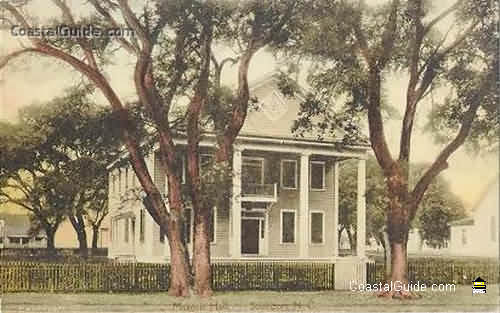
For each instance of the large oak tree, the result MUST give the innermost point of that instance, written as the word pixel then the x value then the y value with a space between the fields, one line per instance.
pixel 355 47
pixel 171 51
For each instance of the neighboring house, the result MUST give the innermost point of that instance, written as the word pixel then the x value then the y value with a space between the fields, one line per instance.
pixel 478 235
pixel 14 233
pixel 415 245
pixel 285 194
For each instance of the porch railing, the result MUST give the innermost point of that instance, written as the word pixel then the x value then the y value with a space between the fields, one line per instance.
pixel 259 192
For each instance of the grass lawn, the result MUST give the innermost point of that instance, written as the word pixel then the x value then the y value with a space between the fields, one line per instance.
pixel 251 301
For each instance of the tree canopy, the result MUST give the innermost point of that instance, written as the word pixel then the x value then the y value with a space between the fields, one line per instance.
pixel 53 162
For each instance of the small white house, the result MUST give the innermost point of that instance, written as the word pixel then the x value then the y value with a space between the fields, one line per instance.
pixel 478 235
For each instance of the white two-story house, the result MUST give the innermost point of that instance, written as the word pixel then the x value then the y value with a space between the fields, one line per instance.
pixel 285 193
pixel 478 235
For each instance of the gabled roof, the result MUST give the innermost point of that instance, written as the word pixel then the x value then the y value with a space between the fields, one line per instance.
pixel 491 188
pixel 275 114
pixel 272 119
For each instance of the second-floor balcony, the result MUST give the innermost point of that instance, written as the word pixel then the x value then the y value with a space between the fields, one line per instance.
pixel 259 192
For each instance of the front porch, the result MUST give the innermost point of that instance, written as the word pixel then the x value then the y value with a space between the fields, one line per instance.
pixel 275 218
pixel 265 202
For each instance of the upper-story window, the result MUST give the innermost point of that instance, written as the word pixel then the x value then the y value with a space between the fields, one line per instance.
pixel 317 175
pixel 253 170
pixel 288 174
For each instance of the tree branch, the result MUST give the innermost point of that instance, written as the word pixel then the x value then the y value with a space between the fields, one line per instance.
pixel 132 20
pixel 388 37
pixel 441 16
pixel 84 44
pixel 129 46
pixel 441 162
pixel 414 7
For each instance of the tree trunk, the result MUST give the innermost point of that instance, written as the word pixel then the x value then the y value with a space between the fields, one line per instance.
pixel 398 221
pixel 201 252
pixel 95 237
pixel 82 243
pixel 399 263
pixel 79 227
pixel 387 255
pixel 180 279
pixel 51 247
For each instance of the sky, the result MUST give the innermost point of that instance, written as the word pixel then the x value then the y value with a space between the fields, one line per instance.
pixel 36 80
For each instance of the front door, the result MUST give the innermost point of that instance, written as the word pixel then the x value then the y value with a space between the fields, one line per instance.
pixel 250 236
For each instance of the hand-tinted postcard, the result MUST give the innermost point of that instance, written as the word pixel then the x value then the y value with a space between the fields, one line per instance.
pixel 249 156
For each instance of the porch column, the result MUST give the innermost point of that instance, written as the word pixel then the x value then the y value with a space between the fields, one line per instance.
pixel 304 205
pixel 336 209
pixel 361 208
pixel 236 205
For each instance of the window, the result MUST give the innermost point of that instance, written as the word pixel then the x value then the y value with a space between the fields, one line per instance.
pixel 38 238
pixel 141 225
pixel 287 226
pixel 182 170
pixel 162 234
pixel 188 217
pixel 262 229
pixel 317 175
pixel 205 162
pixel 119 181
pixel 464 237
pixel 132 226
pixel 126 178
pixel 125 221
pixel 113 183
pixel 253 170
pixel 317 227
pixel 213 225
pixel 15 240
pixel 288 174
pixel 493 229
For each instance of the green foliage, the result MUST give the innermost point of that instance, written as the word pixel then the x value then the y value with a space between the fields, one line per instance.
pixel 438 207
pixel 56 160
pixel 329 39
